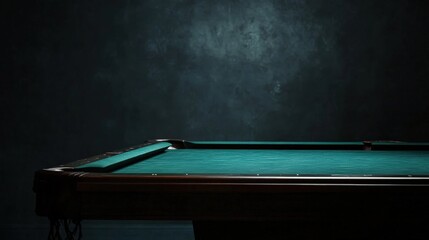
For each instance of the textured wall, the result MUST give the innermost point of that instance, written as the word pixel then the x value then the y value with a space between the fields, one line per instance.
pixel 79 78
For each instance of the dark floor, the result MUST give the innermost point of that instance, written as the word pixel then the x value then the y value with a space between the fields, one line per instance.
pixel 107 230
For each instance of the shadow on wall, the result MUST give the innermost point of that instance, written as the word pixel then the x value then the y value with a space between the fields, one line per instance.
pixel 369 84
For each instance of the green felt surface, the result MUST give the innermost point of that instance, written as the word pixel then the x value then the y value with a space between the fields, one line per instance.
pixel 283 162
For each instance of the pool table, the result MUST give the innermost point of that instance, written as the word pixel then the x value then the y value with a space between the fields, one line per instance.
pixel 252 190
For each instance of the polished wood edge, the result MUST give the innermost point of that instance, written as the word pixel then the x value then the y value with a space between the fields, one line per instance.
pixel 55 179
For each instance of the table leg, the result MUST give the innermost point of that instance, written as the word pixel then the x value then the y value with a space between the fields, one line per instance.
pixel 64 229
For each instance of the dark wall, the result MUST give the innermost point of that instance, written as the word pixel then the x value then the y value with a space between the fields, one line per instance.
pixel 80 78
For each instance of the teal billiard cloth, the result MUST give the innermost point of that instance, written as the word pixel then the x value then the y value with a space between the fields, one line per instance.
pixel 283 162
